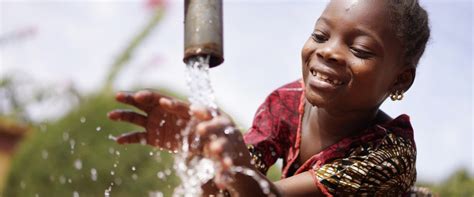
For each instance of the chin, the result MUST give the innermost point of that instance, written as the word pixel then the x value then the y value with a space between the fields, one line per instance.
pixel 314 99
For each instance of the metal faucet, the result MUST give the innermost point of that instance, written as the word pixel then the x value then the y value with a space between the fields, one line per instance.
pixel 203 33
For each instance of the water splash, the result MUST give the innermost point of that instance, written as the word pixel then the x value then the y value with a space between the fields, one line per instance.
pixel 195 171
pixel 199 84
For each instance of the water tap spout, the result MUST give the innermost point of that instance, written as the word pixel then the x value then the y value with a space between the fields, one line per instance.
pixel 203 30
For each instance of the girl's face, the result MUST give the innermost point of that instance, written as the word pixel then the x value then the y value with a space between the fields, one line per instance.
pixel 352 60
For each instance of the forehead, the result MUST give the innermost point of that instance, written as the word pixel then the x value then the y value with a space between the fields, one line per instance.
pixel 372 15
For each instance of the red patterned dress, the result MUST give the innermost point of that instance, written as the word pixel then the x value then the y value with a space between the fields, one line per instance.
pixel 380 161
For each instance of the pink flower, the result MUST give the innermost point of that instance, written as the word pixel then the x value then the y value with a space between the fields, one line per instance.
pixel 153 4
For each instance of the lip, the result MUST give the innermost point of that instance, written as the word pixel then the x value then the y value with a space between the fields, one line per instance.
pixel 321 84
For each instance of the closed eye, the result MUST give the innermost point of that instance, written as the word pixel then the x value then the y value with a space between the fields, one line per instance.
pixel 319 37
pixel 361 53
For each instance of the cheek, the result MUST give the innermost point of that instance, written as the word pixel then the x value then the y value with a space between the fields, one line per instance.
pixel 371 83
pixel 306 52
pixel 308 49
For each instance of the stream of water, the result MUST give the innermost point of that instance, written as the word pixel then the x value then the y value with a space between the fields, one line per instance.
pixel 196 171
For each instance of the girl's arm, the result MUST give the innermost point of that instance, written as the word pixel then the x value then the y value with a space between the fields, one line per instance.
pixel 229 150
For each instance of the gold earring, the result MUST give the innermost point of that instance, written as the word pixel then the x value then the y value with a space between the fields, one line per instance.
pixel 397 96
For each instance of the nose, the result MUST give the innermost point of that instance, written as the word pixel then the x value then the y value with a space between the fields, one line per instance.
pixel 332 52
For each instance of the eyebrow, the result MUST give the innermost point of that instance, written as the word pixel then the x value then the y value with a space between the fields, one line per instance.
pixel 325 20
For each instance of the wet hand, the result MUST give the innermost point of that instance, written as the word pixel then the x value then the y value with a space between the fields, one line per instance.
pixel 221 142
pixel 163 119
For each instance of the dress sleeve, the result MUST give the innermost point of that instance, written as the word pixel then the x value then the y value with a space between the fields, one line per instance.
pixel 262 138
pixel 385 169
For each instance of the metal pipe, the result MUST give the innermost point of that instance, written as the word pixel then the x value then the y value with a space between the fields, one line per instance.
pixel 203 30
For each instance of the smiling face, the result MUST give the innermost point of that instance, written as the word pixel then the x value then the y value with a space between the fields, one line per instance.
pixel 352 61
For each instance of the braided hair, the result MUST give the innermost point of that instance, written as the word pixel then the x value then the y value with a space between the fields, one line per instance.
pixel 410 22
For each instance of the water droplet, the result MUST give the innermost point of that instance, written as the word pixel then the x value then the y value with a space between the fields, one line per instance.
pixel 22 185
pixel 107 191
pixel 111 150
pixel 112 173
pixel 118 181
pixel 134 176
pixel 75 194
pixel 133 168
pixel 151 153
pixel 117 153
pixel 143 141
pixel 162 122
pixel 65 136
pixel 229 130
pixel 160 175
pixel 111 137
pixel 69 180
pixel 37 195
pixel 62 179
pixel 94 174
pixel 83 119
pixel 72 143
pixel 168 172
pixel 115 165
pixel 78 164
pixel 155 194
pixel 98 128
pixel 44 154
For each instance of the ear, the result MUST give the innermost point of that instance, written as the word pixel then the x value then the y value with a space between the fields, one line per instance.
pixel 404 80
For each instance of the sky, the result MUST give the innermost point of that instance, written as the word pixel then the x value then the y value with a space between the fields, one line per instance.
pixel 75 42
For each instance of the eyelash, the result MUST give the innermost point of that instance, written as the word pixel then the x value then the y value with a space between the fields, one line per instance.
pixel 360 53
pixel 319 38
pixel 363 54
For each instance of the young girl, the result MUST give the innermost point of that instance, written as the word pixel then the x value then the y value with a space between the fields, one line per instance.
pixel 327 127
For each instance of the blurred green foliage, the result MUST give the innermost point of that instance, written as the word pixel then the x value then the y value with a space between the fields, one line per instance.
pixel 59 158
pixel 460 183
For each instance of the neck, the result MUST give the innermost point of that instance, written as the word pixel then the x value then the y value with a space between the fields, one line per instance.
pixel 332 127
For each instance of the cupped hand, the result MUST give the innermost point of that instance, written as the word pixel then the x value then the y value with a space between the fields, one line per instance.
pixel 163 120
pixel 222 142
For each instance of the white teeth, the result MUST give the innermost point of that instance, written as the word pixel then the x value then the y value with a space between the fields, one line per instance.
pixel 326 78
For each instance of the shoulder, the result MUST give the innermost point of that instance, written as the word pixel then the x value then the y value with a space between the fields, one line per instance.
pixel 292 88
pixel 383 166
pixel 287 96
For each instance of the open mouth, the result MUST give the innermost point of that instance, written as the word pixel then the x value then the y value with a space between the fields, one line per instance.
pixel 326 78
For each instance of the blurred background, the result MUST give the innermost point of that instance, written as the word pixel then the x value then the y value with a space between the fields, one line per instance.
pixel 62 61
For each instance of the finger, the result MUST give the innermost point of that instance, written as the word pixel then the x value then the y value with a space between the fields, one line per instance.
pixel 216 148
pixel 224 176
pixel 148 98
pixel 201 113
pixel 128 116
pixel 175 106
pixel 222 179
pixel 131 138
pixel 127 98
pixel 217 126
